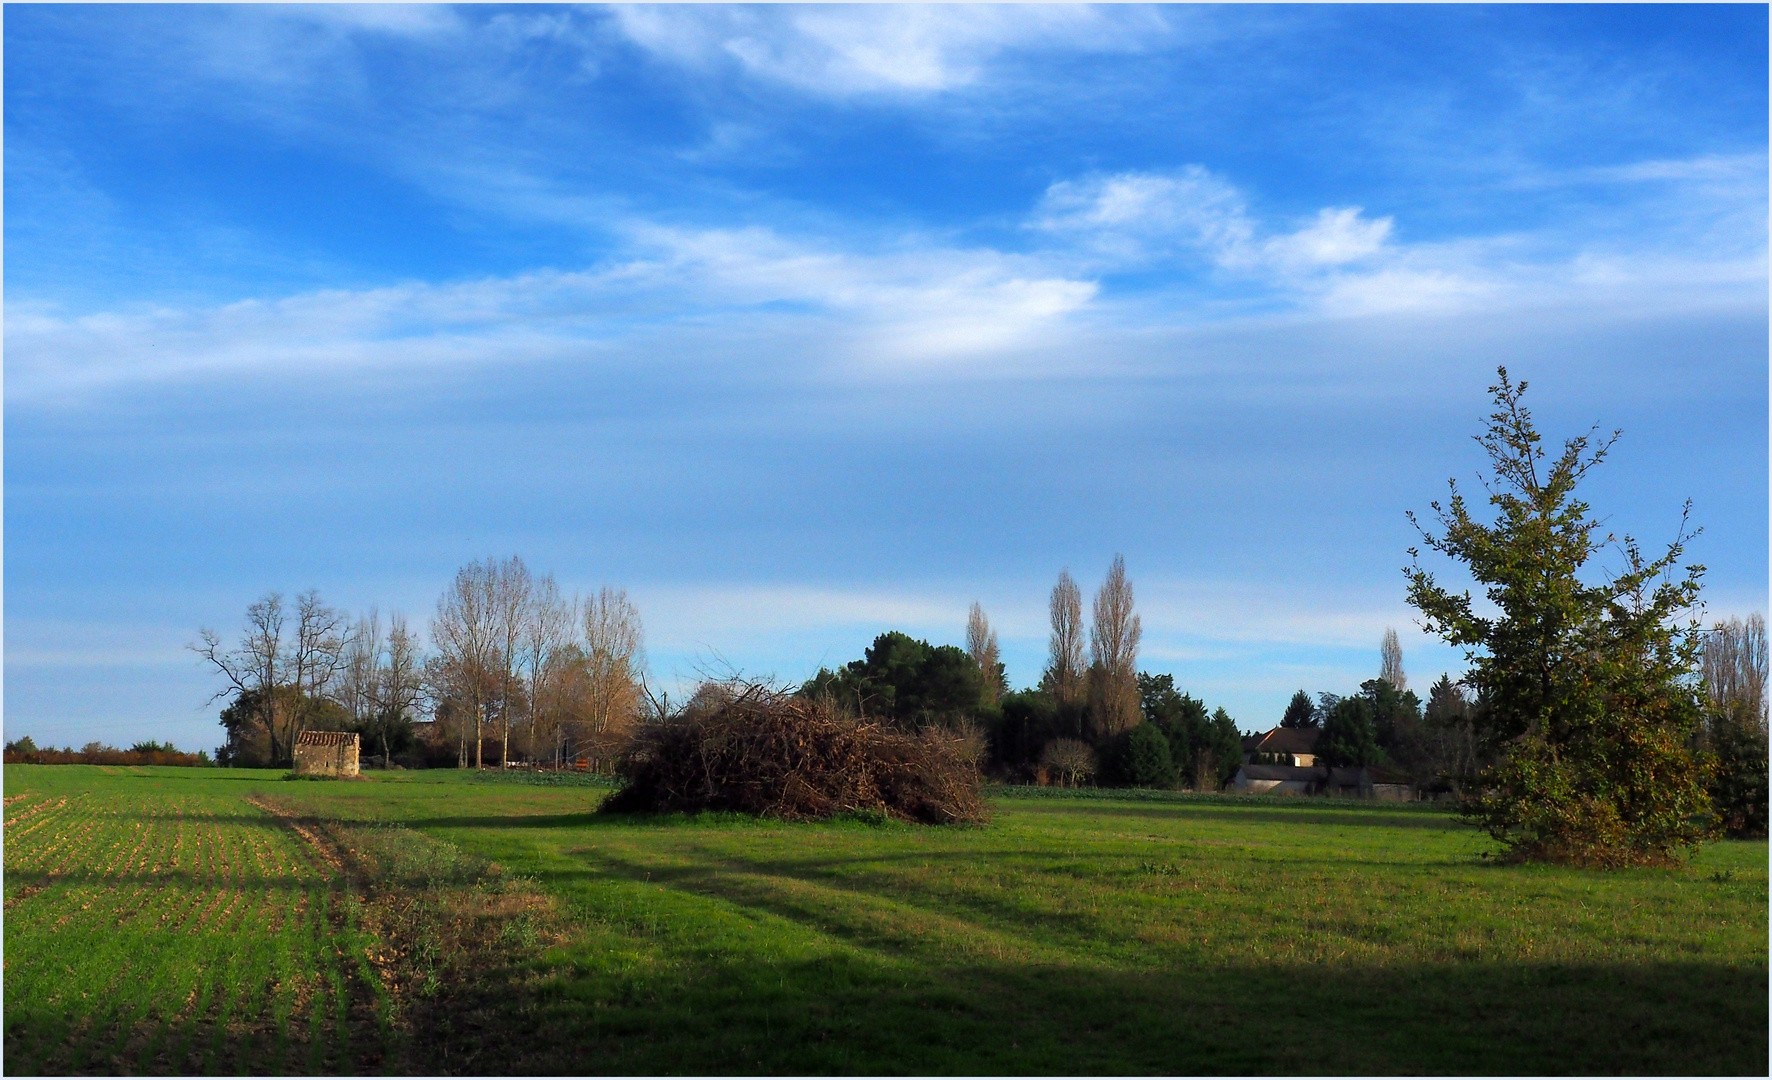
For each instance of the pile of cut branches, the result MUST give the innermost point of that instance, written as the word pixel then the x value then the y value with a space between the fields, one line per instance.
pixel 758 751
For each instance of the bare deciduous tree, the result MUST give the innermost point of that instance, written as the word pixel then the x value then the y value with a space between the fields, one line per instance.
pixel 1733 660
pixel 1070 761
pixel 1113 654
pixel 512 587
pixel 981 645
pixel 321 633
pixel 355 690
pixel 254 669
pixel 465 634
pixel 1064 678
pixel 613 643
pixel 284 676
pixel 399 683
pixel 1391 663
pixel 548 650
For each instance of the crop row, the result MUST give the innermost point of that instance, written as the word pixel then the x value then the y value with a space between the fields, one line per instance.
pixel 176 933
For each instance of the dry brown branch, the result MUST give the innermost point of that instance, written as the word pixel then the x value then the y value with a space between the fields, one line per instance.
pixel 758 751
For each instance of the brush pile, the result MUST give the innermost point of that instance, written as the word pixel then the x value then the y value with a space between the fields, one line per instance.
pixel 761 752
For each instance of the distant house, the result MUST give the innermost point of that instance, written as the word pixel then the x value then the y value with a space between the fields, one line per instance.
pixel 1282 746
pixel 326 753
pixel 1276 780
pixel 1283 761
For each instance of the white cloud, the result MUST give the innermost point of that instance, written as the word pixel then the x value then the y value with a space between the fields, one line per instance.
pixel 1709 168
pixel 1339 235
pixel 847 50
pixel 920 304
pixel 1143 217
pixel 1146 215
pixel 907 305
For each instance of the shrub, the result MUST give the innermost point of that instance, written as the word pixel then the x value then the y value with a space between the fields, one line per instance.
pixel 797 758
pixel 1070 761
pixel 1738 772
pixel 1141 758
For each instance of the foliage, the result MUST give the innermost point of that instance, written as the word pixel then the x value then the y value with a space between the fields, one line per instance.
pixel 1224 747
pixel 1350 734
pixel 249 743
pixel 907 681
pixel 1141 758
pixel 1026 721
pixel 1736 740
pixel 1588 703
pixel 1734 662
pixel 25 752
pixel 796 758
pixel 1449 723
pixel 1206 748
pixel 1301 712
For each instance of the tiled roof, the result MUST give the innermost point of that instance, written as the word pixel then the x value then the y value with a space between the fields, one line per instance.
pixel 326 738
pixel 1289 740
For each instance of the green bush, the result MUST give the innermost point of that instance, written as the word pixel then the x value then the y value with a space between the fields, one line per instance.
pixel 1141 758
pixel 1738 773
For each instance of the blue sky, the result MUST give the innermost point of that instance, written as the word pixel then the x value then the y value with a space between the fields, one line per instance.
pixel 806 323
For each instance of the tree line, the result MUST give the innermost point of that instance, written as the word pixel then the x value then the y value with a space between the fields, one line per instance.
pixel 1093 717
pixel 515 671
pixel 1597 721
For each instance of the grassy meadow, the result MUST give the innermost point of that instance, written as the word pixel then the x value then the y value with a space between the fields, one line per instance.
pixel 174 920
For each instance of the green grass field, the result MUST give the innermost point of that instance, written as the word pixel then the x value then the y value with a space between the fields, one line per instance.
pixel 170 920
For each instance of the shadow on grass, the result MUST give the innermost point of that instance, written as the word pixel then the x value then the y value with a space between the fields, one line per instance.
pixel 1321 812
pixel 848 1014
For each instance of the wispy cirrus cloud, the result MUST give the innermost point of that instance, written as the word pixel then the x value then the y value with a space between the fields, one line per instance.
pixel 883 303
pixel 1143 216
pixel 917 304
pixel 910 48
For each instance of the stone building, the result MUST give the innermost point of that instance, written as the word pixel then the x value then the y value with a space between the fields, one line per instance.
pixel 326 753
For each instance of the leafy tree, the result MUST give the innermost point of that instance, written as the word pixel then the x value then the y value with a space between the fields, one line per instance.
pixel 1184 721
pixel 1350 733
pixel 1026 721
pixel 1141 758
pixel 249 738
pixel 1224 746
pixel 1300 712
pixel 906 680
pixel 1396 719
pixel 1449 720
pixel 1738 786
pixel 21 746
pixel 1589 704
